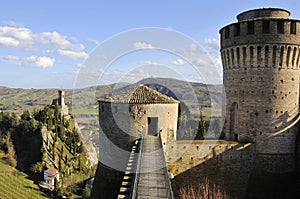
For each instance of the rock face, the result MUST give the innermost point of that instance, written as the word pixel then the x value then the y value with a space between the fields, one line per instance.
pixel 260 55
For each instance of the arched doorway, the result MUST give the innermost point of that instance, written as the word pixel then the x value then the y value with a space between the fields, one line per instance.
pixel 233 135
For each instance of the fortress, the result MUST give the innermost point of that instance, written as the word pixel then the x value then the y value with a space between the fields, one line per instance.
pixel 260 56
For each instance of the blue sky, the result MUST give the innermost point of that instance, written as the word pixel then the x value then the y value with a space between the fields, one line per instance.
pixel 44 44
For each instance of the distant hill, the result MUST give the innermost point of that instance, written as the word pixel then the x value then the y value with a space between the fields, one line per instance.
pixel 18 99
pixel 85 99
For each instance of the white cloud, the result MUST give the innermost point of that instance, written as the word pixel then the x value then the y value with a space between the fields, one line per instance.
pixel 43 62
pixel 80 65
pixel 10 58
pixel 95 41
pixel 61 41
pixel 38 61
pixel 213 42
pixel 150 63
pixel 143 45
pixel 14 36
pixel 17 37
pixel 8 42
pixel 13 23
pixel 16 32
pixel 73 54
pixel 178 62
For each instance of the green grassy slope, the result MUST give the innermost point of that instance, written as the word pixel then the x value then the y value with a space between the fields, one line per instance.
pixel 15 184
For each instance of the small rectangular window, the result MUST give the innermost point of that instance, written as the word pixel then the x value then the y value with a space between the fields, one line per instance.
pixel 250 26
pixel 266 27
pixel 293 27
pixel 280 27
pixel 102 108
pixel 227 32
pixel 237 30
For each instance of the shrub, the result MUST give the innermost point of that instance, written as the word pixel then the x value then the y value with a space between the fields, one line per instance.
pixel 203 191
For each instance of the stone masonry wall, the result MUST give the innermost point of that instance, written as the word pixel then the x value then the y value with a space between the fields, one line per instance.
pixel 261 62
pixel 226 164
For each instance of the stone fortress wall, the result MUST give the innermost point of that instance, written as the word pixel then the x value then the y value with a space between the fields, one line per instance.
pixel 261 65
pixel 260 55
pixel 226 164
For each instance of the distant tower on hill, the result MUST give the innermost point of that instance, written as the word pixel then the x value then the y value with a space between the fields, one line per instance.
pixel 261 70
pixel 61 97
pixel 60 101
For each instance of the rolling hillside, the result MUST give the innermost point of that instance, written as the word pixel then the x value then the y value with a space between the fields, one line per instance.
pixel 15 184
pixel 83 102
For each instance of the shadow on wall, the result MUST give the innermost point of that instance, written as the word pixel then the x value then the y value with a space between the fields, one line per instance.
pixel 238 172
pixel 229 171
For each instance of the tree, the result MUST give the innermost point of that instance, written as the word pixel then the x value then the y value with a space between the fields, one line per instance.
pixel 79 164
pixel 62 132
pixel 14 120
pixel 26 115
pixel 11 154
pixel 86 193
pixel 80 148
pixel 59 164
pixel 53 150
pixel 37 167
pixel 201 131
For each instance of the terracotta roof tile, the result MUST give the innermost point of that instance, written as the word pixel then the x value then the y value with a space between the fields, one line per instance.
pixel 51 171
pixel 140 95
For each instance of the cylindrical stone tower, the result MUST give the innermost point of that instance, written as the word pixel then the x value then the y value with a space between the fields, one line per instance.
pixel 125 116
pixel 260 57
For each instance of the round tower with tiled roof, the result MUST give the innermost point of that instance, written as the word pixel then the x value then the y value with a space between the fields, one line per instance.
pixel 124 117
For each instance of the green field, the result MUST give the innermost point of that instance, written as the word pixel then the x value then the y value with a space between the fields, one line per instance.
pixel 15 184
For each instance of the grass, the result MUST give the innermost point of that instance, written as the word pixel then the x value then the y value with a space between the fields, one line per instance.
pixel 15 184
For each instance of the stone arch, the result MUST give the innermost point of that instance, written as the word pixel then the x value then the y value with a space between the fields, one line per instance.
pixel 266 56
pixel 259 58
pixel 288 56
pixel 281 56
pixel 224 60
pixel 274 56
pixel 238 56
pixel 298 57
pixel 294 56
pixel 244 55
pixel 233 135
pixel 251 55
pixel 228 59
pixel 232 58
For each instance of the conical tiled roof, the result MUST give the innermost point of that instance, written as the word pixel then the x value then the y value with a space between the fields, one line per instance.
pixel 139 95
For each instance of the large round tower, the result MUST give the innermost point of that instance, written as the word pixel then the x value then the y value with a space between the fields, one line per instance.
pixel 260 57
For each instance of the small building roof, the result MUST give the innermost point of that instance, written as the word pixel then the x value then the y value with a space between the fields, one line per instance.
pixel 139 95
pixel 51 171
